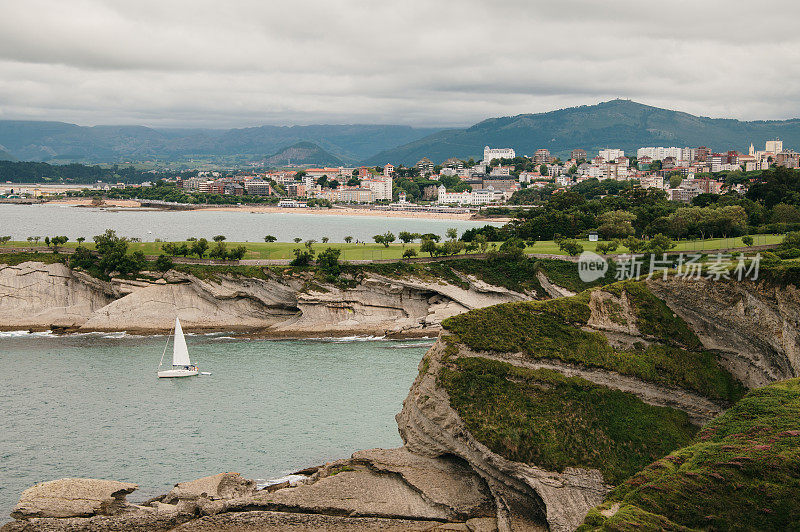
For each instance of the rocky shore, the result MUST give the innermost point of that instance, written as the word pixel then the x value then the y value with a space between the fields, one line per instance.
pixel 525 415
pixel 41 296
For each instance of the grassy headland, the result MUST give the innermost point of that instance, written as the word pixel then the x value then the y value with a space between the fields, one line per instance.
pixel 554 330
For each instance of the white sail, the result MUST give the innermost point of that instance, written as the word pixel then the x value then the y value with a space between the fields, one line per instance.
pixel 180 353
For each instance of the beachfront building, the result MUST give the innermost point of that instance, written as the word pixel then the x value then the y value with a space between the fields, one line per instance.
pixel 380 185
pixel 481 196
pixel 291 204
pixel 348 195
pixel 257 187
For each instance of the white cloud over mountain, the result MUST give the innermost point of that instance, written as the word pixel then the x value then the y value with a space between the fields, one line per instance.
pixel 246 62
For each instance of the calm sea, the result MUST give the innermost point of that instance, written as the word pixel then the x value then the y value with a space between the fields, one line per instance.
pixel 91 406
pixel 22 221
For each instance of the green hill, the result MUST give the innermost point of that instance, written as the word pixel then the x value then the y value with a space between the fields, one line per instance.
pixel 617 124
pixel 303 153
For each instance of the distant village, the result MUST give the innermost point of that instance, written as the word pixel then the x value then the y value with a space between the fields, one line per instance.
pixel 460 186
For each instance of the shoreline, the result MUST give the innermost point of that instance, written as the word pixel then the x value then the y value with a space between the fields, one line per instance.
pixel 264 209
pixel 244 333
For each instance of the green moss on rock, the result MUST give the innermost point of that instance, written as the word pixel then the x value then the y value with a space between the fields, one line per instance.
pixel 564 273
pixel 655 319
pixel 553 330
pixel 742 472
pixel 542 417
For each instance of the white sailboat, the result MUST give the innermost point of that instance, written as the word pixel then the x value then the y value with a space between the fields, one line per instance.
pixel 181 366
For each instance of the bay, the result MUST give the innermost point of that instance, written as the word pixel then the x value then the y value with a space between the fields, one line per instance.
pixel 22 221
pixel 90 405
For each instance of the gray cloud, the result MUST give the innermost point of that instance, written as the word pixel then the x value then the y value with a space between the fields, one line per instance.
pixel 248 62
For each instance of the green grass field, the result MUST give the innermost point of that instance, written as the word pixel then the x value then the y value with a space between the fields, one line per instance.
pixel 283 250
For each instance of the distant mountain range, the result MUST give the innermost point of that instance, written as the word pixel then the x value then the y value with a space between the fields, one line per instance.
pixel 62 142
pixel 5 156
pixel 617 124
pixel 614 124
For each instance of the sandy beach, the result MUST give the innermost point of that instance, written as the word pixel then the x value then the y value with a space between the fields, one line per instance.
pixel 86 202
pixel 335 211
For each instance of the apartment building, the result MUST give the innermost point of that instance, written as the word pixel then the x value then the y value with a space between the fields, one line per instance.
pixel 258 187
pixel 611 154
pixel 382 187
pixel 577 154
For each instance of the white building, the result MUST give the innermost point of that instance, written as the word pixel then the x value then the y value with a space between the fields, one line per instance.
pixel 652 181
pixel 388 169
pixel 382 187
pixel 660 153
pixel 611 154
pixel 476 197
pixel 774 146
pixel 500 171
pixel 449 198
pixel 497 153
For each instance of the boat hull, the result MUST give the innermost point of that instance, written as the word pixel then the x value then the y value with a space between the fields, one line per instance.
pixel 168 373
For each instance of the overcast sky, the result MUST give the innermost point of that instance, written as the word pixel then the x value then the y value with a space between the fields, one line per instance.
pixel 420 62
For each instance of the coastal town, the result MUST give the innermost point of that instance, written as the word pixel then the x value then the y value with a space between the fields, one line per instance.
pixel 461 186
pixel 683 173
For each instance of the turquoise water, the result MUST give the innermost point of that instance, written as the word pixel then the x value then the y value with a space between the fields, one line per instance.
pixel 22 221
pixel 91 406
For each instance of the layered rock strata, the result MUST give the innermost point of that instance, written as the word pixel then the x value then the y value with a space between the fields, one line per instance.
pixel 52 296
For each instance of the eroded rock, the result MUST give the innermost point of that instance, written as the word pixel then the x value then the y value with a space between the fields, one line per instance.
pixel 215 487
pixel 73 497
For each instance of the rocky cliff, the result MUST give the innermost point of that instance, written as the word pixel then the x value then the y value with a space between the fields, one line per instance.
pixel 527 415
pixel 555 403
pixel 43 296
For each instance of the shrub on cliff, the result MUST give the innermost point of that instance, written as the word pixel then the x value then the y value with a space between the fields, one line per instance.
pixel 237 253
pixel 199 247
pixel 114 257
pixel 328 262
pixel 302 257
pixel 570 246
pixel 163 263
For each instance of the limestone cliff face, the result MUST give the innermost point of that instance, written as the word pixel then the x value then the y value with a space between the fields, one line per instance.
pixel 381 304
pixel 224 303
pixel 756 325
pixel 35 295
